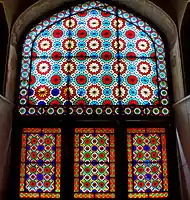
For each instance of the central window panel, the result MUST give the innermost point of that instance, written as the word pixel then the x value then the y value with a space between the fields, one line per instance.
pixel 94 163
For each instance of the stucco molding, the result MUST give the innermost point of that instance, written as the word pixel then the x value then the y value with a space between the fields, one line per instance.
pixel 5 100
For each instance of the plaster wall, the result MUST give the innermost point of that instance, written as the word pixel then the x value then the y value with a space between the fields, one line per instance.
pixel 179 6
pixel 6 108
pixel 11 74
pixel 11 8
pixel 182 118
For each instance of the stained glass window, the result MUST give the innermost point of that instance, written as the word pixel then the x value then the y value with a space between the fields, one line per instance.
pixel 40 163
pixel 94 163
pixel 93 59
pixel 147 163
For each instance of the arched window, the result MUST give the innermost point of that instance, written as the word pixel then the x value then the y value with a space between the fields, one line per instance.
pixel 87 73
pixel 90 55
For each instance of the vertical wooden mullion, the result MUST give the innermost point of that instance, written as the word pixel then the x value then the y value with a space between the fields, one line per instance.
pixel 67 160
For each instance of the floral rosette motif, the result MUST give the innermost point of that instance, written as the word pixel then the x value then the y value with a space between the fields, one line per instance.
pixel 94 44
pixel 145 92
pixel 69 44
pixel 43 67
pixel 144 68
pixel 42 92
pixel 45 44
pixel 68 67
pixel 94 67
pixel 120 23
pixel 94 92
pixel 94 23
pixel 142 45
pixel 70 23
pixel 119 67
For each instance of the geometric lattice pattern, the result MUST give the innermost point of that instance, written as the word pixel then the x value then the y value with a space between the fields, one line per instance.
pixel 40 163
pixel 94 163
pixel 147 163
pixel 93 55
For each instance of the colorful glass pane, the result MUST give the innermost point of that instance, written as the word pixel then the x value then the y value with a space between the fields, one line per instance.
pixel 40 163
pixel 95 82
pixel 94 163
pixel 94 54
pixel 147 163
pixel 138 81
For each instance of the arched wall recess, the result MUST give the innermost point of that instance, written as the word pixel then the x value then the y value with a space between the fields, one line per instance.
pixel 172 44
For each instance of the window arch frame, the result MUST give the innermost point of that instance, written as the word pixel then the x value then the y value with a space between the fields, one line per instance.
pixel 144 113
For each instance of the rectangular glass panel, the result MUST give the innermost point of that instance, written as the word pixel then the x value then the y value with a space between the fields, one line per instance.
pixel 147 163
pixel 94 163
pixel 40 163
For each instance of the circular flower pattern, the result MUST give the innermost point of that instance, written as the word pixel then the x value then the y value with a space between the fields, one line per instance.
pixel 130 34
pixel 45 44
pixel 67 92
pixel 155 80
pixel 142 45
pixel 68 67
pixel 55 80
pixel 118 45
pixel 144 68
pixel 69 44
pixel 119 92
pixel 81 102
pixel 81 55
pixel 132 80
pixel 43 67
pixel 94 92
pixel 105 14
pixel 94 23
pixel 145 92
pixel 56 56
pixel 107 92
pixel 133 102
pixel 81 79
pixel 94 67
pixel 107 79
pixel 131 56
pixel 42 92
pixel 94 44
pixel 70 23
pixel 118 23
pixel 123 92
pixel 106 55
pixel 94 79
pixel 32 80
pixel 119 67
pixel 81 92
pixel 82 14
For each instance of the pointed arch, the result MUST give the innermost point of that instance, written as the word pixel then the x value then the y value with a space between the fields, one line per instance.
pixel 66 62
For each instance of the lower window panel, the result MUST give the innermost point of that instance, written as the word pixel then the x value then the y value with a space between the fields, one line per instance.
pixel 147 163
pixel 40 167
pixel 94 163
